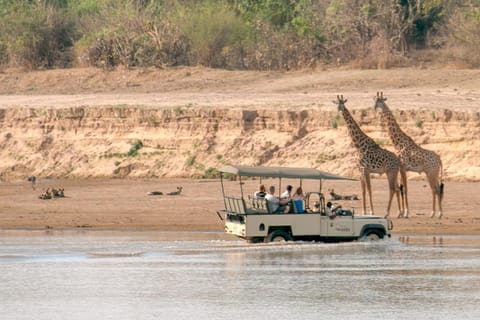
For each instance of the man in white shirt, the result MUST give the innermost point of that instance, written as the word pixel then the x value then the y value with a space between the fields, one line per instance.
pixel 287 194
pixel 277 205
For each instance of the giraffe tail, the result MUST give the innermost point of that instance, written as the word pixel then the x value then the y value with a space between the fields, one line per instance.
pixel 441 186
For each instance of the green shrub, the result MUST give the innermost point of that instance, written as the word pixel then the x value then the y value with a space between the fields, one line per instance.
pixel 178 111
pixel 213 30
pixel 323 157
pixel 212 173
pixel 336 121
pixel 191 161
pixel 129 33
pixel 36 35
pixel 134 149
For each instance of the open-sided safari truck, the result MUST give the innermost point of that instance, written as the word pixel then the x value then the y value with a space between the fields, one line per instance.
pixel 251 218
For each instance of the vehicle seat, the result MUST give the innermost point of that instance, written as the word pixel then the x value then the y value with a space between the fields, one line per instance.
pixel 298 206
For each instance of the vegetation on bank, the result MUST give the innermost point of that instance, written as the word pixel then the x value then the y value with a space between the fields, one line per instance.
pixel 237 34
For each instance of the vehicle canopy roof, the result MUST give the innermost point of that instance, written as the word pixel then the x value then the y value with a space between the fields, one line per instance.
pixel 280 172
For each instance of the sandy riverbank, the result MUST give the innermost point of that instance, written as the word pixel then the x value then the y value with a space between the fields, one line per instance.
pixel 123 204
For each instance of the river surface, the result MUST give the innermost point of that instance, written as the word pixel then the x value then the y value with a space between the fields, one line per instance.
pixel 172 275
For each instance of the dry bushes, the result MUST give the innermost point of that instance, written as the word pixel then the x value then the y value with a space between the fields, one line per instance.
pixel 240 34
pixel 463 41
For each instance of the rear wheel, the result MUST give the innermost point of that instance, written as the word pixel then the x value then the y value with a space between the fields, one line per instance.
pixel 278 236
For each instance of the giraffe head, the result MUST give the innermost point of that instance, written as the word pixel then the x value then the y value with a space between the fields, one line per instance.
pixel 340 102
pixel 380 101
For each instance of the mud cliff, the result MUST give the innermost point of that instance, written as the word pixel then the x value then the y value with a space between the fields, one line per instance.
pixel 187 141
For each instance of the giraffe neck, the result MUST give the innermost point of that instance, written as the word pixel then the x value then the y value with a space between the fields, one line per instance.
pixel 360 140
pixel 399 139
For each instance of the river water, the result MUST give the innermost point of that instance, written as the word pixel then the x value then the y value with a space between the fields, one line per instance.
pixel 172 275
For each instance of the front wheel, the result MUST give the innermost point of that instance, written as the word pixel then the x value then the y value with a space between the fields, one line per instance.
pixel 372 235
pixel 278 236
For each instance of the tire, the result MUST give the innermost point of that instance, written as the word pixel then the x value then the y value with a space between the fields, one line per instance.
pixel 278 236
pixel 372 235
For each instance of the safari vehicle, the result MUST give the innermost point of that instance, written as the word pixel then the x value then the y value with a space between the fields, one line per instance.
pixel 251 218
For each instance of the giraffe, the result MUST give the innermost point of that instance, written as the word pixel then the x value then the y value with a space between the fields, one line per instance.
pixel 371 159
pixel 413 157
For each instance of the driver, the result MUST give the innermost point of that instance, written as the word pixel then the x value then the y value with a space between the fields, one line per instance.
pixel 330 210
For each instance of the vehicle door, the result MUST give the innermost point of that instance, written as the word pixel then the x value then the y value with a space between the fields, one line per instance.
pixel 340 226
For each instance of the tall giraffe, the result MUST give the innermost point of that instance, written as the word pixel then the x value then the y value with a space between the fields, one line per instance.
pixel 413 157
pixel 371 159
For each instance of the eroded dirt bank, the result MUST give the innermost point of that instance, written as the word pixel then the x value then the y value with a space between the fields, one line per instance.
pixel 104 141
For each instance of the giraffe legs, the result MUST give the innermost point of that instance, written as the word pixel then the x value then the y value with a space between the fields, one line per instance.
pixel 437 191
pixel 364 200
pixel 393 190
pixel 368 186
pixel 403 177
pixel 434 196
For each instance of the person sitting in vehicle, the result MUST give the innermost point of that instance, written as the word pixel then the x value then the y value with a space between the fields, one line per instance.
pixel 277 205
pixel 330 210
pixel 260 194
pixel 297 199
pixel 287 194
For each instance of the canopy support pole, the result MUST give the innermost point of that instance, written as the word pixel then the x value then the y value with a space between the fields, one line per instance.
pixel 241 185
pixel 279 186
pixel 223 190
